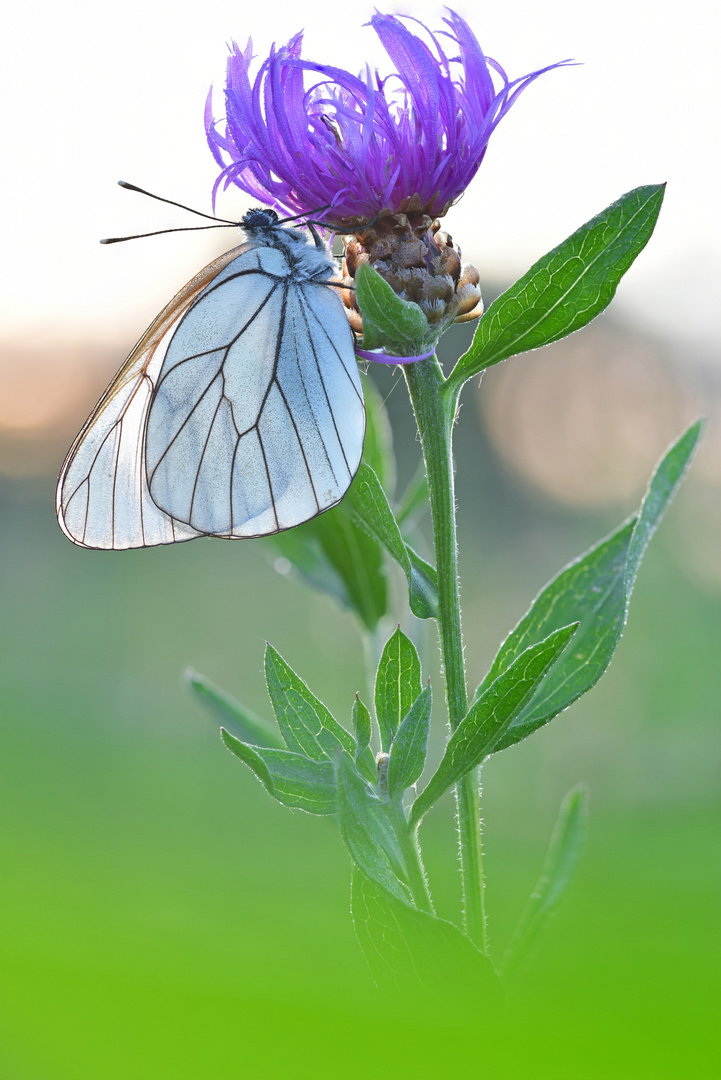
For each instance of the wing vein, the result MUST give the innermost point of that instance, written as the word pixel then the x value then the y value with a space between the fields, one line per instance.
pixel 333 346
pixel 167 449
pixel 311 410
pixel 206 441
pixel 277 377
pixel 232 471
pixel 273 379
pixel 115 480
pixel 110 431
pixel 325 392
pixel 300 443
pixel 270 486
pixel 226 348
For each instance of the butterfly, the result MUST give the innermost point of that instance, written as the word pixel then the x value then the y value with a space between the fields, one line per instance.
pixel 239 413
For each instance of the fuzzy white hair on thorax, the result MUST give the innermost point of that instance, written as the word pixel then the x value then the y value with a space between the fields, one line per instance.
pixel 306 259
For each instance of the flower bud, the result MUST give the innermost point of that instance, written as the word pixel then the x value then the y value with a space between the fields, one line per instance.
pixel 420 263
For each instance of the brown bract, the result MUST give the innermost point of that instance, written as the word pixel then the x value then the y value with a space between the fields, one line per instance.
pixel 418 260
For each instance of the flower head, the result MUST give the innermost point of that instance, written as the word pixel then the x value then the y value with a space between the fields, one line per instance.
pixel 300 135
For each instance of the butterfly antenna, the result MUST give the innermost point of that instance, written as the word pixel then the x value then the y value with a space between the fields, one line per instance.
pixel 159 232
pixel 295 217
pixel 211 217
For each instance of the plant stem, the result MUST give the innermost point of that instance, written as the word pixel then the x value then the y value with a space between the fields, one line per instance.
pixel 435 422
pixel 416 874
pixel 468 803
pixel 435 407
pixel 417 880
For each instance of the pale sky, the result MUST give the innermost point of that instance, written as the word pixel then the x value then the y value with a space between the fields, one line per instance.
pixel 99 92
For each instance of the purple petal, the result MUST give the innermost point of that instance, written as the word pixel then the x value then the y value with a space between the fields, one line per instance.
pixel 303 134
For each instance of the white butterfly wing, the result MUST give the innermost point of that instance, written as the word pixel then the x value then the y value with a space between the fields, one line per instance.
pixel 257 423
pixel 103 500
pixel 102 497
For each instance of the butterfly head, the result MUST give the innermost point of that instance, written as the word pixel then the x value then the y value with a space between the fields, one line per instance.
pixel 258 219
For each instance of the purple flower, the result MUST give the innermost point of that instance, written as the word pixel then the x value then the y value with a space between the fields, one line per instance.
pixel 301 135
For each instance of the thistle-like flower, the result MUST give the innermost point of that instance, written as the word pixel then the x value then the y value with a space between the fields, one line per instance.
pixel 384 157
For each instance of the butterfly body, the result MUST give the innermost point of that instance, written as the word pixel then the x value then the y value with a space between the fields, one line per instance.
pixel 239 413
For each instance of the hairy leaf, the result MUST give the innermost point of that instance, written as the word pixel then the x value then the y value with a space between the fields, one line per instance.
pixel 369 507
pixel 398 684
pixel 560 862
pixel 234 716
pixel 367 832
pixel 405 947
pixel 490 716
pixel 424 572
pixel 290 778
pixel 398 325
pixel 595 590
pixel 307 726
pixel 363 726
pixel 566 288
pixel 409 746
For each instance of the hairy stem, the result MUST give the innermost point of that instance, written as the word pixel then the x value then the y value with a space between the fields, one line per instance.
pixel 416 874
pixel 434 407
pixel 417 880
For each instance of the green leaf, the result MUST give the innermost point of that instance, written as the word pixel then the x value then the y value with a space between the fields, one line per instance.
pixel 399 326
pixel 357 559
pixel 595 590
pixel 378 443
pixel 366 831
pixel 369 506
pixel 307 726
pixel 405 947
pixel 422 571
pixel 560 862
pixel 566 288
pixel 410 744
pixel 490 716
pixel 337 557
pixel 415 498
pixel 362 726
pixel 290 778
pixel 335 554
pixel 241 721
pixel 398 684
pixel 341 552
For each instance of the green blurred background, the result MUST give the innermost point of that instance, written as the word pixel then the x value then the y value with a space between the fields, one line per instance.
pixel 162 917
